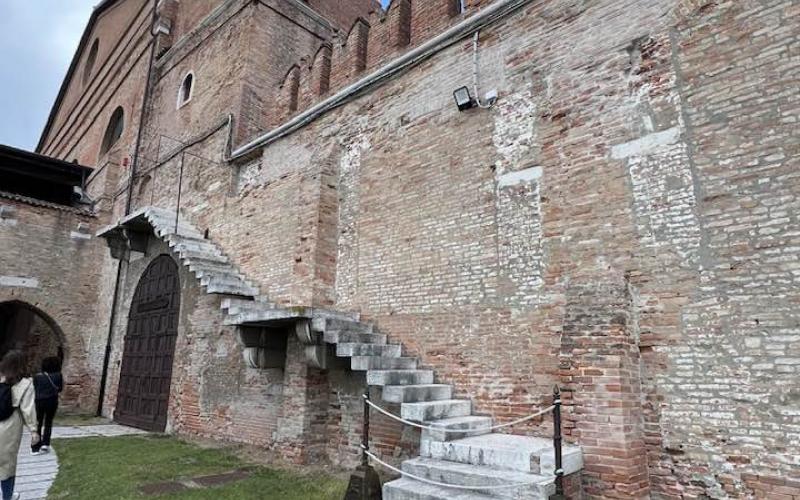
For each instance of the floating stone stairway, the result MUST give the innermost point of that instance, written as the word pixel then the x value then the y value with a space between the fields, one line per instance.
pixel 459 449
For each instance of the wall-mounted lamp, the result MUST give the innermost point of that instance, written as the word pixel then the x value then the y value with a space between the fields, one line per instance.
pixel 463 99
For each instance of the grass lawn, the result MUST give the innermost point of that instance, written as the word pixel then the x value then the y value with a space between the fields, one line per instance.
pixel 115 468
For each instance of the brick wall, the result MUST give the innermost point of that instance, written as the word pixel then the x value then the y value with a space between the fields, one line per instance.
pixel 61 286
pixel 621 222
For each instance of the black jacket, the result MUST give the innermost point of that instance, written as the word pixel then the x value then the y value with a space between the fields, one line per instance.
pixel 47 388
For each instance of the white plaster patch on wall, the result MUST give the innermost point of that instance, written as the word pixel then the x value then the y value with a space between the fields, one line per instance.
pixel 514 130
pixel 521 177
pixel 519 231
pixel 19 281
pixel 8 216
pixel 77 235
pixel 646 145
pixel 248 175
pixel 347 257
pixel 663 193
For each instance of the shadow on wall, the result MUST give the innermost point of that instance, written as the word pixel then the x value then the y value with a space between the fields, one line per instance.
pixel 24 327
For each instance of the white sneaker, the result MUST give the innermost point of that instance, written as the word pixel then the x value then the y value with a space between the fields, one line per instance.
pixel 15 496
pixel 45 448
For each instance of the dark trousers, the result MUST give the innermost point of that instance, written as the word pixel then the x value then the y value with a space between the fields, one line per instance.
pixel 45 412
pixel 7 485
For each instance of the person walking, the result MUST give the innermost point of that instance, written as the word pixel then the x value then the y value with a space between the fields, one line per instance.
pixel 48 384
pixel 16 409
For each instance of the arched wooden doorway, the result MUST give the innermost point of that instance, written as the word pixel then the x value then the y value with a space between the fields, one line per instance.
pixel 146 372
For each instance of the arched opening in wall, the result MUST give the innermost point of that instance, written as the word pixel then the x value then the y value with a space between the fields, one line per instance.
pixel 88 68
pixel 25 327
pixel 457 7
pixel 149 348
pixel 187 87
pixel 114 129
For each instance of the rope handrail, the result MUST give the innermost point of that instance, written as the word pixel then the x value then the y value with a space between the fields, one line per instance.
pixel 490 428
pixel 446 485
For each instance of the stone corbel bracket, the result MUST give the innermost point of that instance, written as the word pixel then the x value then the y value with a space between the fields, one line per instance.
pixel 122 242
pixel 309 332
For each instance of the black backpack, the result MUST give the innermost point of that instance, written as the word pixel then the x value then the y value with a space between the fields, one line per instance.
pixel 6 405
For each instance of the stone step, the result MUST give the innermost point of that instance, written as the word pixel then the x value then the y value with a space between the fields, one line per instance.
pixel 197 247
pixel 399 377
pixel 223 278
pixel 190 258
pixel 531 486
pixel 204 267
pixel 190 235
pixel 364 363
pixel 434 410
pixel 414 393
pixel 348 325
pixel 224 281
pixel 472 425
pixel 168 231
pixel 230 289
pixel 229 275
pixel 504 451
pixel 165 228
pixel 345 336
pixel 408 489
pixel 355 349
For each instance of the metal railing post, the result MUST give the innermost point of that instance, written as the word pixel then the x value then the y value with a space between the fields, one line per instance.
pixel 559 472
pixel 364 481
pixel 365 430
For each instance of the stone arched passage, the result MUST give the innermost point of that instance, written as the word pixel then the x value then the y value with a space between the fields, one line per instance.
pixel 27 328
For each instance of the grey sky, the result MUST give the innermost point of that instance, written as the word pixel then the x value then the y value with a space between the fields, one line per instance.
pixel 37 41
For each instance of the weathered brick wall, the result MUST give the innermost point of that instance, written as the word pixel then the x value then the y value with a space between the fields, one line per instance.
pixel 118 32
pixel 117 80
pixel 622 222
pixel 60 284
pixel 213 393
pixel 592 145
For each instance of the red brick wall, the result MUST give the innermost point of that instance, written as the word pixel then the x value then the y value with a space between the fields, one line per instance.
pixel 621 223
pixel 62 285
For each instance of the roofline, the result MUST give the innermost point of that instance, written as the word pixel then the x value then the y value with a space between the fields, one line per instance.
pixel 98 9
pixel 73 169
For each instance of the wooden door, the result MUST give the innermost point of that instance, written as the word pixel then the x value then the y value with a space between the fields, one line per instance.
pixel 146 372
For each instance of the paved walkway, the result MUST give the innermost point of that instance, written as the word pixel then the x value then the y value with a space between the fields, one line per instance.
pixel 35 473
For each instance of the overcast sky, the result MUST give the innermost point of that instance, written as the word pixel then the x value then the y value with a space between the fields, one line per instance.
pixel 37 41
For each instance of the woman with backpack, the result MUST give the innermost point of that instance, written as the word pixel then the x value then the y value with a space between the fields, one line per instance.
pixel 16 409
pixel 48 384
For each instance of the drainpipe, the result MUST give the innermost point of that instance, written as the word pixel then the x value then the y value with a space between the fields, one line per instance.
pixel 128 206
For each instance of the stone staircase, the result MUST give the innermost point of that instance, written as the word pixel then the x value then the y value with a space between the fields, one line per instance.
pixel 459 450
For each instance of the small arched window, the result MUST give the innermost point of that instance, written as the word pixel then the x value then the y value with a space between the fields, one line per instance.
pixel 90 60
pixel 116 125
pixel 185 92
